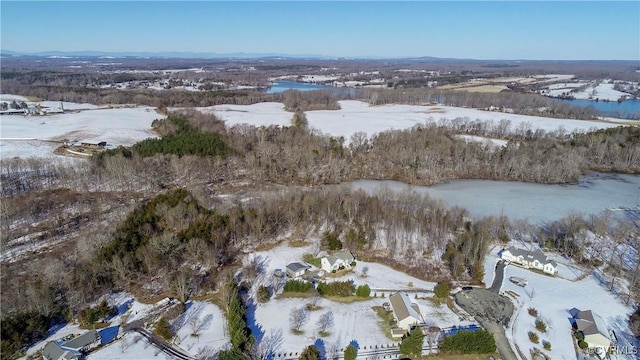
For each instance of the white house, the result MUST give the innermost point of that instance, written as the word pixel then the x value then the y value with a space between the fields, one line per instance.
pixel 297 269
pixel 406 313
pixel 530 259
pixel 593 328
pixel 342 258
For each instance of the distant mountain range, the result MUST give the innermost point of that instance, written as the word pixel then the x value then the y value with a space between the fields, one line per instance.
pixel 196 55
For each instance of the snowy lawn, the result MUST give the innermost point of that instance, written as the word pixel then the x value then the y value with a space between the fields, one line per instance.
pixel 377 275
pixel 207 322
pixel 354 321
pixel 131 346
pixel 553 298
pixel 355 116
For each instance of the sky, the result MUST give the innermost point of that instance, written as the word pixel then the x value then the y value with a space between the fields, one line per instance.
pixel 573 30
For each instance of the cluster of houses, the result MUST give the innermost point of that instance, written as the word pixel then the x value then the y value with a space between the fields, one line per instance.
pixel 71 348
pixel 530 259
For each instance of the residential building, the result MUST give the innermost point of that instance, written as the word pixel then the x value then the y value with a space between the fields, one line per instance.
pixel 406 313
pixel 530 259
pixel 297 269
pixel 71 349
pixel 594 329
pixel 334 262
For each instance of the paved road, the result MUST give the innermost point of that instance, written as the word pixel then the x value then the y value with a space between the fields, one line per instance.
pixel 498 277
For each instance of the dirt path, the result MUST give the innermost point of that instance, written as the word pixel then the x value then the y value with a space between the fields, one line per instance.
pixel 493 312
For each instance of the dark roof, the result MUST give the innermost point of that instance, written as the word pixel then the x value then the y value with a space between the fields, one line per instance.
pixel 83 340
pixel 52 351
pixel 297 266
pixel 531 255
pixel 590 323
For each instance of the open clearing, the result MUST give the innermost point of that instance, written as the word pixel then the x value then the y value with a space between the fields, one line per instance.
pixel 357 116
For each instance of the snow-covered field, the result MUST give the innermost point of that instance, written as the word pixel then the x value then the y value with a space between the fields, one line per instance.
pixel 207 322
pixel 131 346
pixel 602 91
pixel 358 116
pixel 354 321
pixel 484 140
pixel 553 298
pixel 28 136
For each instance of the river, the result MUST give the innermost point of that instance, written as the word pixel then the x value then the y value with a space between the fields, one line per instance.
pixel 538 203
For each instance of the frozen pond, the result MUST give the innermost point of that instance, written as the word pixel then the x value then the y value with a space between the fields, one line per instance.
pixel 537 203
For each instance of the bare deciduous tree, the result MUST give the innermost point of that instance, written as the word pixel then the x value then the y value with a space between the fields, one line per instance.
pixel 298 317
pixel 325 323
pixel 269 345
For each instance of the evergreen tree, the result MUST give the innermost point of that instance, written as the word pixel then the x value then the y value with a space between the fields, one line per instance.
pixel 310 353
pixel 412 344
pixel 350 353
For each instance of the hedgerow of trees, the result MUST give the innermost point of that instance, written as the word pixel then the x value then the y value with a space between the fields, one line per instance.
pixel 469 342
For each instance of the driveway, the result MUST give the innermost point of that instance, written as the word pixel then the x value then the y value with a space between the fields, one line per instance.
pixel 498 277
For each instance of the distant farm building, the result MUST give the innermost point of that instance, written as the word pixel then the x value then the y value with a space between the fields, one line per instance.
pixel 94 145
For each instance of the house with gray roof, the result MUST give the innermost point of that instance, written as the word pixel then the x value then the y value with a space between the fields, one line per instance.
pixel 297 269
pixel 405 313
pixel 53 351
pixel 530 259
pixel 71 349
pixel 342 258
pixel 594 329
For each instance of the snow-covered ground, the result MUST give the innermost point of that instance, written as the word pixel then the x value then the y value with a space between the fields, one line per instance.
pixel 484 140
pixel 207 322
pixel 203 318
pixel 553 298
pixel 354 321
pixel 9 98
pixel 131 346
pixel 357 116
pixel 602 91
pixel 28 136
pixel 377 275
pixel 594 90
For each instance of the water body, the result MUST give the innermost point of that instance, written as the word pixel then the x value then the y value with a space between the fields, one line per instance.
pixel 624 109
pixel 538 203
pixel 281 86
